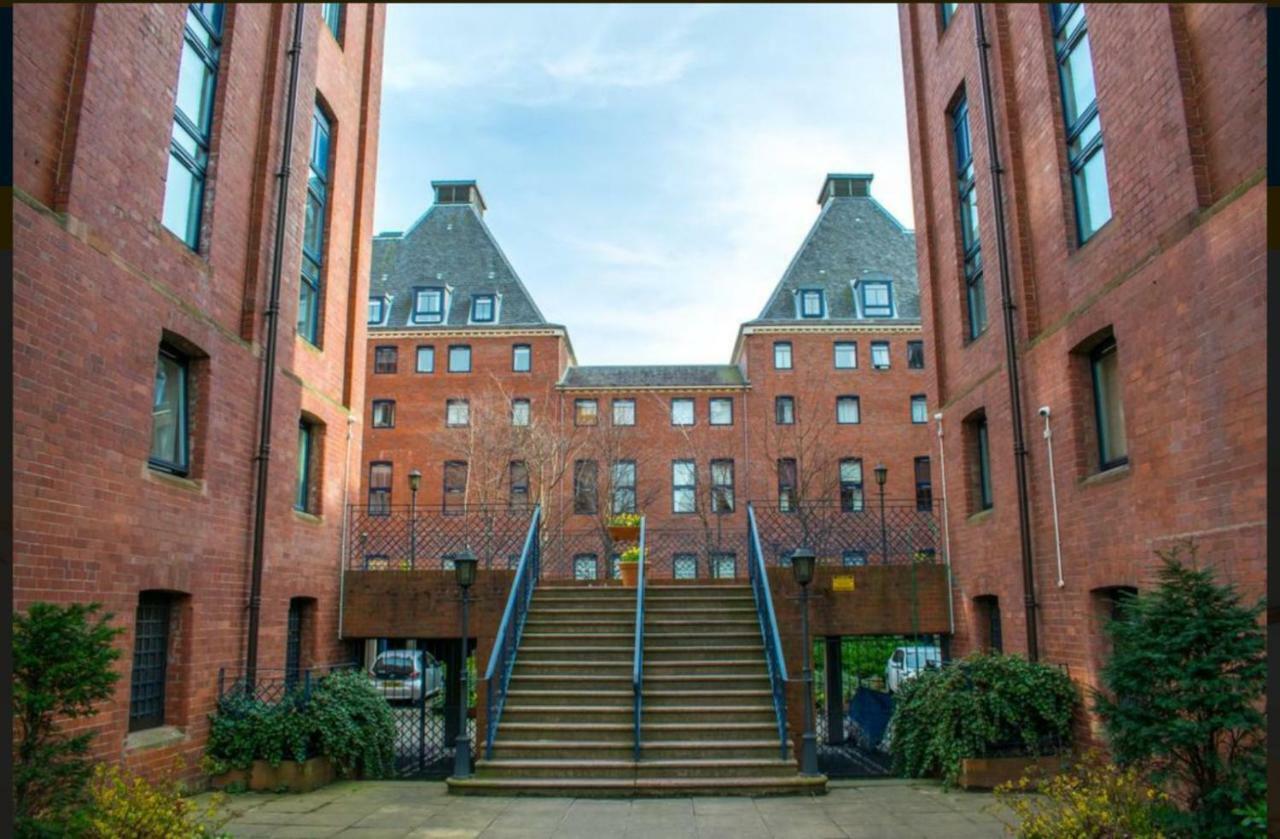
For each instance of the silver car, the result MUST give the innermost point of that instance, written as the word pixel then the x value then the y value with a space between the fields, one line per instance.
pixel 907 662
pixel 403 675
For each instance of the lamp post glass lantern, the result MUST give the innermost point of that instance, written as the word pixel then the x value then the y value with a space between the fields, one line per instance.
pixel 464 567
pixel 802 563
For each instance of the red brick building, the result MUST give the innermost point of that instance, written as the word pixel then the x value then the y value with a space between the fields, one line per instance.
pixel 148 139
pixel 1132 182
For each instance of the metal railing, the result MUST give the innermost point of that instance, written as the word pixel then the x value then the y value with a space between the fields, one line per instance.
pixel 637 664
pixel 759 578
pixel 271 686
pixel 417 538
pixel 858 531
pixel 503 658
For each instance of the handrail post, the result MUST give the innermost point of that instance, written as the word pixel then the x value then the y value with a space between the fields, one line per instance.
pixel 637 664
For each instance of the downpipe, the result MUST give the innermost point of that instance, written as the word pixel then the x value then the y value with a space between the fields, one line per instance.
pixel 946 528
pixel 1053 493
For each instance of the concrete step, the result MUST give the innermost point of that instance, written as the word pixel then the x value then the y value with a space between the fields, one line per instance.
pixel 621 611
pixel 640 787
pixel 691 590
pixel 575 595
pixel 678 609
pixel 532 639
pixel 708 640
pixel 698 626
pixel 567 715
pixel 622 732
pixel 667 697
pixel 571 684
pixel 620 667
pixel 583 627
pixel 665 653
pixel 732 666
pixel 529 697
pixel 703 729
pixel 584 654
pixel 656 683
pixel 622 749
pixel 699 713
pixel 566 769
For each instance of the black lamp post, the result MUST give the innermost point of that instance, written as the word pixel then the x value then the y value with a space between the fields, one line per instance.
pixel 464 566
pixel 415 480
pixel 882 475
pixel 802 562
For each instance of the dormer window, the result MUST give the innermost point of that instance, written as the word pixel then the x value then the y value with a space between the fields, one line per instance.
pixel 428 305
pixel 377 311
pixel 812 303
pixel 483 308
pixel 877 298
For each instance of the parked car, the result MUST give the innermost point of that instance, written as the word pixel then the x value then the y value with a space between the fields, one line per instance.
pixel 399 675
pixel 907 662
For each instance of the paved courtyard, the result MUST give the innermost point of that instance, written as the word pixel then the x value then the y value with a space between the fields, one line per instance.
pixel 394 810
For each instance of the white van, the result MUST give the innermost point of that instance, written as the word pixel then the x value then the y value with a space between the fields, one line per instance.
pixel 907 662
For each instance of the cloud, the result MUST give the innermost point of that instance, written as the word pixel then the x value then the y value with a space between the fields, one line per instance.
pixel 624 256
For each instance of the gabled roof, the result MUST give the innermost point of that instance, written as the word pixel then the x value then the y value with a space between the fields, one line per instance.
pixel 450 247
pixel 654 376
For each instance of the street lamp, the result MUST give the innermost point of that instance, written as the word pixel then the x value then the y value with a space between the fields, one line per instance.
pixel 882 475
pixel 802 561
pixel 415 480
pixel 464 566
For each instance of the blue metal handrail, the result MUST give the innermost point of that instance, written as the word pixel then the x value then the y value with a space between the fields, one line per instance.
pixel 503 657
pixel 637 663
pixel 768 626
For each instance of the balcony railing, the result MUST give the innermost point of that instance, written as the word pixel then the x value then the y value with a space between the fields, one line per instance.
pixel 426 538
pixel 849 535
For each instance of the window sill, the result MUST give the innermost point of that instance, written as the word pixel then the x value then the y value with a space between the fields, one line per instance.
pixel 1115 473
pixel 981 516
pixel 309 518
pixel 307 345
pixel 189 484
pixel 154 738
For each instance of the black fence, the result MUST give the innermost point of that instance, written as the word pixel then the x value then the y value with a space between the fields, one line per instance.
pixel 274 685
pixel 427 538
pixel 864 533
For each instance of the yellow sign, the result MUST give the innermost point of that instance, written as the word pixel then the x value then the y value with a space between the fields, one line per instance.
pixel 842 583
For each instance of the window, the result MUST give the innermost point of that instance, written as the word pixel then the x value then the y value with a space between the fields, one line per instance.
pixel 924 485
pixel 306 455
pixel 877 298
pixel 1080 114
pixel 988 609
pixel 915 355
pixel 981 454
pixel 722 412
pixel 684 566
pixel 782 355
pixel 384 413
pixel 455 485
pixel 784 410
pixel 948 11
pixel 847 410
pixel 379 488
pixel 846 355
pixel 426 360
pixel 624 412
pixel 518 479
pixel 1113 446
pixel 460 358
pixel 520 412
pixel 879 355
pixel 622 486
pixel 428 305
pixel 150 660
pixel 786 485
pixel 723 566
pixel 311 288
pixel 332 14
pixel 722 486
pixel 170 443
pixel 853 559
pixel 812 303
pixel 377 310
pixel 482 308
pixel 457 412
pixel 919 409
pixel 192 122
pixel 585 411
pixel 384 359
pixel 684 486
pixel 851 498
pixel 682 412
pixel 584 486
pixel 293 641
pixel 970 243
pixel 521 358
pixel 585 567
pixel 615 569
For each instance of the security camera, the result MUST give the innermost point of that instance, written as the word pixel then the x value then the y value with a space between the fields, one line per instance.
pixel 1044 410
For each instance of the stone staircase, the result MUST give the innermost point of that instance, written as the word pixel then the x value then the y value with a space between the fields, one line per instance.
pixel 708 720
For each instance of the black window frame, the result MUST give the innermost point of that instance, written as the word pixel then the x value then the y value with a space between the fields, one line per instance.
pixel 518 484
pixel 1096 356
pixel 448 419
pixel 868 311
pixel 453 498
pixel 836 346
pixel 924 483
pixel 492 300
pixel 1065 44
pixel 690 489
pixel 915 355
pixel 449 363
pixel 613 412
pixel 417 358
pixel 379 367
pixel 806 293
pixel 580 558
pixel 310 316
pixel 923 400
pixel 515 358
pixel 182 431
pixel 374 419
pixel 970 240
pixel 379 501
pixel 791 358
pixel 578 404
pixel 722 493
pixel 306 453
pixel 148 676
pixel 693 412
pixel 982 441
pixel 381 302
pixel 333 16
pixel 778 403
pixel 678 559
pixel 586 487
pixel 788 491
pixel 857 409
pixel 853 496
pixel 888 355
pixel 711 414
pixel 420 316
pixel 624 491
pixel 713 564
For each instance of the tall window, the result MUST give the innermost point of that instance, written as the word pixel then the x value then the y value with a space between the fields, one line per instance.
pixel 948 11
pixel 721 411
pixel 170 446
pixel 915 355
pixel 924 485
pixel 426 361
pixel 846 355
pixel 384 359
pixel 622 486
pixel 584 486
pixel 722 486
pixel 684 566
pixel 971 244
pixel 682 412
pixel 851 498
pixel 306 447
pixel 684 486
pixel 483 309
pixel 313 228
pixel 518 473
pixel 384 413
pixel 1080 114
pixel 879 355
pixel 784 410
pixel 624 412
pixel 782 355
pixel 877 299
pixel 520 412
pixel 379 488
pixel 457 413
pixel 812 304
pixel 521 358
pixel 428 305
pixel 786 484
pixel 585 411
pixel 847 412
pixel 988 608
pixel 150 660
pixel 455 485
pixel 332 14
pixel 919 409
pixel 982 462
pixel 192 122
pixel 460 358
pixel 293 641
pixel 1113 446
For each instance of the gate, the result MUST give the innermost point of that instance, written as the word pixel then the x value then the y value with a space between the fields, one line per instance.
pixel 426 712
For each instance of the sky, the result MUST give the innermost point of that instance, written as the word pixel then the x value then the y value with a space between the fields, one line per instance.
pixel 649 171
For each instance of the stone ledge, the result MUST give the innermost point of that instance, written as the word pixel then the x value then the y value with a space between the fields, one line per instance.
pixel 154 738
pixel 188 484
pixel 1115 473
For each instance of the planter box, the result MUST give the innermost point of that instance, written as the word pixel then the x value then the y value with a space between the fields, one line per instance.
pixel 630 573
pixel 991 772
pixel 290 775
pixel 624 532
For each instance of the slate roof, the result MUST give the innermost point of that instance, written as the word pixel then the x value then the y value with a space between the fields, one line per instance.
pixel 854 238
pixel 680 375
pixel 449 246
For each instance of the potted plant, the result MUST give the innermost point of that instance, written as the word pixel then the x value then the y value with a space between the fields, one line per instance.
pixel 629 566
pixel 624 527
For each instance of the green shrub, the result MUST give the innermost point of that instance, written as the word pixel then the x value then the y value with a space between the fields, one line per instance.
pixel 123 804
pixel 977 707
pixel 1182 695
pixel 355 725
pixel 62 667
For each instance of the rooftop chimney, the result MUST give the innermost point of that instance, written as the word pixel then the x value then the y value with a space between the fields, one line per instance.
pixel 845 186
pixel 459 192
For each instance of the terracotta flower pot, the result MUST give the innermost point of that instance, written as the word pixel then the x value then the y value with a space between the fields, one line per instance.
pixel 630 572
pixel 624 532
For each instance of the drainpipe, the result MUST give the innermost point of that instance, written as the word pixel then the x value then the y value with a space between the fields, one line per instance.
pixel 1053 493
pixel 272 315
pixel 1010 342
pixel 946 527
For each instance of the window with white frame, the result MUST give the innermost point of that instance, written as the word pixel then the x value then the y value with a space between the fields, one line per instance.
pixel 879 355
pixel 846 355
pixel 847 412
pixel 428 305
pixel 877 298
pixel 782 355
pixel 483 309
pixel 813 303
pixel 457 413
pixel 377 310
